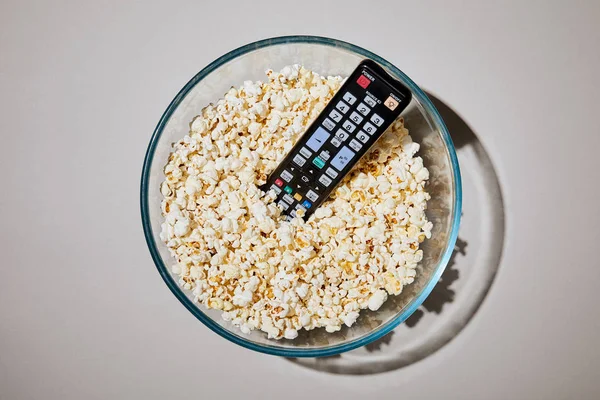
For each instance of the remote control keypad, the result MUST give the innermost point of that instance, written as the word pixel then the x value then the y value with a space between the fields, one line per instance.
pixel 347 128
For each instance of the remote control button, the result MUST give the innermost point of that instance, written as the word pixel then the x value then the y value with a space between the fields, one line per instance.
pixel 349 126
pixel 299 160
pixel 363 81
pixel 341 135
pixel 317 139
pixel 276 189
pixel 336 142
pixel 369 128
pixel 377 120
pixel 331 172
pixel 363 137
pixel 312 196
pixel 356 118
pixel 288 199
pixel 279 182
pixel 391 103
pixel 370 101
pixel 304 179
pixel 293 214
pixel 349 98
pixel 325 155
pixel 288 189
pixel 298 196
pixel 329 124
pixel 336 116
pixel 318 162
pixel 355 145
pixel 342 158
pixel 325 181
pixel 364 110
pixel 283 205
pixel 343 107
pixel 305 152
pixel 306 204
pixel 286 176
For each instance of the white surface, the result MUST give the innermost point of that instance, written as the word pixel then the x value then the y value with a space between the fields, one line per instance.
pixel 84 313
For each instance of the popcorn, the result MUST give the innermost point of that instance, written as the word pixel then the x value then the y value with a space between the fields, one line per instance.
pixel 235 251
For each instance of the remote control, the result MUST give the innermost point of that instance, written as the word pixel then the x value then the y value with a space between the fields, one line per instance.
pixel 364 107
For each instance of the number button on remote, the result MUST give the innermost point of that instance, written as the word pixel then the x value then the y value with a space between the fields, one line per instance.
pixel 370 101
pixel 356 118
pixel 349 98
pixel 369 128
pixel 363 137
pixel 325 181
pixel 336 116
pixel 363 109
pixel 355 145
pixel 343 107
pixel 349 126
pixel 341 135
pixel 377 120
pixel 329 124
pixel 312 196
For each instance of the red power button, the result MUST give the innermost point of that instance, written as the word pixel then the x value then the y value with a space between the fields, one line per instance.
pixel 363 81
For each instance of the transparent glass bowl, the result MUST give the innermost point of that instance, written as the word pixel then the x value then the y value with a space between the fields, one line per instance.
pixel 327 57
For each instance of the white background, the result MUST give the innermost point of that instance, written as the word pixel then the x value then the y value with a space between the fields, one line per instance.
pixel 85 315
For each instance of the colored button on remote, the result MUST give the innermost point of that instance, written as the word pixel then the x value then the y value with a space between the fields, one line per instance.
pixel 363 81
pixel 306 203
pixel 318 162
pixel 279 182
pixel 288 190
pixel 298 196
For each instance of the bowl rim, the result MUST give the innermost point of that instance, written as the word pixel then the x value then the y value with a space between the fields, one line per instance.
pixel 193 308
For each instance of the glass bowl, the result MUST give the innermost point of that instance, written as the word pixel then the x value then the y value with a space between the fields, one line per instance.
pixel 327 57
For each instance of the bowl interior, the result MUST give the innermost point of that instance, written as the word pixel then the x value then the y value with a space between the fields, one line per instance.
pixel 326 57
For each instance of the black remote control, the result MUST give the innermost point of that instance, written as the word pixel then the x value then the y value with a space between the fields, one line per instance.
pixel 359 113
